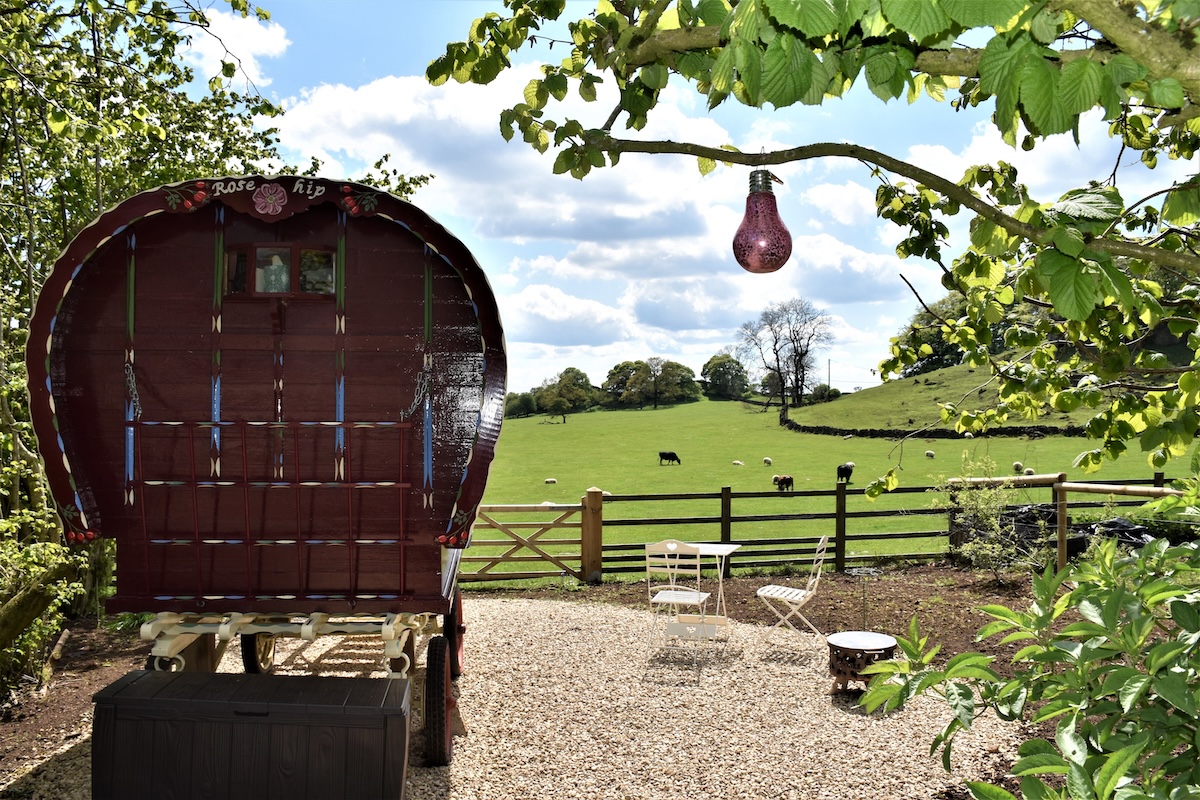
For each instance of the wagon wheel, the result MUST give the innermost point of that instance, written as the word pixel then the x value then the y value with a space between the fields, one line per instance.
pixel 164 664
pixel 258 653
pixel 439 704
pixel 453 629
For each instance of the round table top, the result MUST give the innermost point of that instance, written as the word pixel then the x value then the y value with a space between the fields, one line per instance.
pixel 861 640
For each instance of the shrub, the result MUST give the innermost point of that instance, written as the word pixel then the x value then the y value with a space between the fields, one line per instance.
pixel 990 538
pixel 1112 662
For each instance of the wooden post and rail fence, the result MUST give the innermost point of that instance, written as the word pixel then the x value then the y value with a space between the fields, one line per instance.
pixel 556 540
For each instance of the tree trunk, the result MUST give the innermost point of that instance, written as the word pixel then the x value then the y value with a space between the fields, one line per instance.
pixel 31 602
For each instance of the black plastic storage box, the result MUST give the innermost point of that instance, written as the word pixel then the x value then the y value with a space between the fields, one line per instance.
pixel 202 736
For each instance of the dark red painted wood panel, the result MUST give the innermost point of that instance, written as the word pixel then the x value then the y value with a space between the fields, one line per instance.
pixel 276 394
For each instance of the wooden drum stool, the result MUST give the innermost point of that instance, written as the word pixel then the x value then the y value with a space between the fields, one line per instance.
pixel 850 652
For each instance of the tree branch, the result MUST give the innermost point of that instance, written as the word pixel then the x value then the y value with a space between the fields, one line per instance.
pixel 1032 233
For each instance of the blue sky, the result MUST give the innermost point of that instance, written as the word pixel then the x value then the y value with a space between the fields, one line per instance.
pixel 633 261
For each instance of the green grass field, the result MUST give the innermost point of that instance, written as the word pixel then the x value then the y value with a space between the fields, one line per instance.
pixel 617 452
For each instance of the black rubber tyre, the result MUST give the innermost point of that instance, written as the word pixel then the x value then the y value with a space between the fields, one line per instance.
pixel 453 629
pixel 258 653
pixel 439 704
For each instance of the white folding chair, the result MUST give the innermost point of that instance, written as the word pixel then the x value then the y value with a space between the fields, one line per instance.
pixel 787 601
pixel 678 604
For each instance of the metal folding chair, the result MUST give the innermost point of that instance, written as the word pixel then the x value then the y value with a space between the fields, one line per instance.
pixel 677 602
pixel 787 601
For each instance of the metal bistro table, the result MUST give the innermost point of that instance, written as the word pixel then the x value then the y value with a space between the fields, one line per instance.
pixel 850 652
pixel 716 626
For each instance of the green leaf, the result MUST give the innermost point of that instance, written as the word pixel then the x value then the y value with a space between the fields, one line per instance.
pixel 1079 783
pixel 655 76
pixel 1182 206
pixel 58 121
pixel 1001 64
pixel 1039 97
pixel 919 20
pixel 813 18
pixel 1103 204
pixel 787 71
pixel 1173 687
pixel 1070 743
pixel 1131 692
pixel 961 700
pixel 1167 93
pixel 1185 614
pixel 1074 289
pixel 748 59
pixel 1164 653
pixel 981 13
pixel 1034 789
pixel 1069 241
pixel 1079 87
pixel 1115 767
pixel 722 72
pixel 706 165
pixel 1040 764
pixel 986 791
pixel 1124 70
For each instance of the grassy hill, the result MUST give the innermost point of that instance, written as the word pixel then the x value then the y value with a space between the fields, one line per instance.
pixel 913 403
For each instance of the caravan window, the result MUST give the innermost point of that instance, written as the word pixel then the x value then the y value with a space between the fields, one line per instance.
pixel 273 270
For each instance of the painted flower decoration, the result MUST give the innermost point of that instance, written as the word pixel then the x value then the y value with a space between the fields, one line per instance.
pixel 270 198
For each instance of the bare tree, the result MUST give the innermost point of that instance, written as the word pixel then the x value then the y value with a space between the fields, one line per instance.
pixel 807 330
pixel 784 340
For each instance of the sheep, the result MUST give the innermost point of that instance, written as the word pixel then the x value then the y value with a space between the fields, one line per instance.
pixel 1029 470
pixel 968 435
pixel 844 471
pixel 929 454
pixel 785 483
pixel 1018 467
pixel 739 464
pixel 551 480
pixel 767 461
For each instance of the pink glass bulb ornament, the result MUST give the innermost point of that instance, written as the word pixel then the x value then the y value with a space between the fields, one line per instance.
pixel 762 242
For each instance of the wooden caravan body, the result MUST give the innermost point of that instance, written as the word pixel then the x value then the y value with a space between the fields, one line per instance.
pixel 279 395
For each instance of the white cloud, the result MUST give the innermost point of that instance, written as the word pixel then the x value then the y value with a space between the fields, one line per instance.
pixel 243 40
pixel 547 314
pixel 847 203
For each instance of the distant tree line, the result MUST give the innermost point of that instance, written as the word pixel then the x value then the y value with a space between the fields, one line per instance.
pixel 652 382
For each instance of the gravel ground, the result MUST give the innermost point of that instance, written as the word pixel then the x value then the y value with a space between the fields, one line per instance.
pixel 563 699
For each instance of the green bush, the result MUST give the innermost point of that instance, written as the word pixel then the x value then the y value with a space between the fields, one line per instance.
pixel 1112 659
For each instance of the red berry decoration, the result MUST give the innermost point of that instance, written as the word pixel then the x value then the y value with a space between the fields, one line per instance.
pixel 345 190
pixel 89 535
pixel 187 203
pixel 199 184
pixel 200 196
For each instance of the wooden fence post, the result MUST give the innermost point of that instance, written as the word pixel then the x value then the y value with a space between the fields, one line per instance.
pixel 1060 512
pixel 591 533
pixel 839 529
pixel 726 523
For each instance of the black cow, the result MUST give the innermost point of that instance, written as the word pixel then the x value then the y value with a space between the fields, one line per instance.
pixel 668 456
pixel 844 471
pixel 783 482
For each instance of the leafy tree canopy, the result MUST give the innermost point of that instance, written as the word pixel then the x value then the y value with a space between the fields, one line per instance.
pixel 1088 257
pixel 725 377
